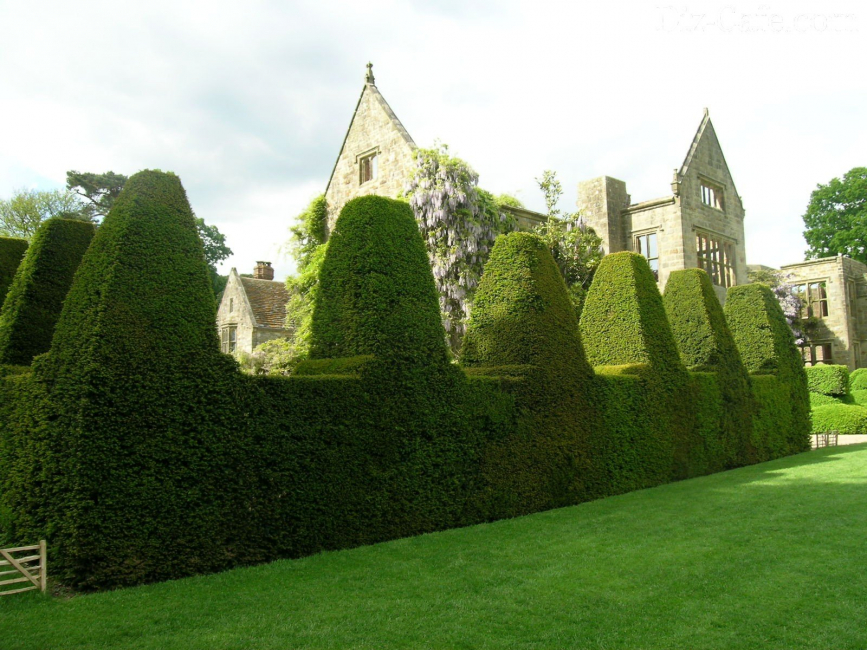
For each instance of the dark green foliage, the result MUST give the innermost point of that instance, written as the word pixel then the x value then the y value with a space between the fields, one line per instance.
pixel 828 379
pixel 36 297
pixel 522 316
pixel 842 418
pixel 767 346
pixel 11 253
pixel 706 345
pixel 342 366
pixel 376 293
pixel 858 379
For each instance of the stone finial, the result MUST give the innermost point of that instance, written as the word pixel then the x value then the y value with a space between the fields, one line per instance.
pixel 368 78
pixel 675 183
pixel 706 112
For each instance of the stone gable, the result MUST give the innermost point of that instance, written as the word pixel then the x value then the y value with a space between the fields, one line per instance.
pixel 677 222
pixel 374 131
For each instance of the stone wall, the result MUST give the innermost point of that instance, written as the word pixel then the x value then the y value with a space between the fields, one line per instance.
pixel 676 219
pixel 845 326
pixel 601 201
pixel 706 162
pixel 374 129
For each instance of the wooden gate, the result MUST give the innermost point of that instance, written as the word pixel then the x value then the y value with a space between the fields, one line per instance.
pixel 25 566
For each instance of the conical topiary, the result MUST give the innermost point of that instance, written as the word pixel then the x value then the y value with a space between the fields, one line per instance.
pixel 36 296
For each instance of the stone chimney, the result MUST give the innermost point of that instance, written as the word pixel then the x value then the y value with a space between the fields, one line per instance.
pixel 263 271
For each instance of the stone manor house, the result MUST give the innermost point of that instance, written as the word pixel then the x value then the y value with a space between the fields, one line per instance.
pixel 699 224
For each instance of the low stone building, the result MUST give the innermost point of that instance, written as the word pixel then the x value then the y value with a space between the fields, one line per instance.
pixel 834 295
pixel 700 224
pixel 252 310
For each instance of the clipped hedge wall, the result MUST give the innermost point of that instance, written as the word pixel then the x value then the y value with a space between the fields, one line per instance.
pixel 842 418
pixel 767 347
pixel 142 453
pixel 859 396
pixel 11 253
pixel 858 379
pixel 705 344
pixel 828 379
pixel 36 296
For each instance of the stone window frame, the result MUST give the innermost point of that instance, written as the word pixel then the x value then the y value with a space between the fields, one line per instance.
pixel 815 352
pixel 712 193
pixel 810 297
pixel 715 254
pixel 636 246
pixel 360 160
pixel 229 338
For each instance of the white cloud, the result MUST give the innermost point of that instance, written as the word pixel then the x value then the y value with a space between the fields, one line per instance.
pixel 249 102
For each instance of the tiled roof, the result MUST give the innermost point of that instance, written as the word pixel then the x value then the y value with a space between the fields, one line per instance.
pixel 268 300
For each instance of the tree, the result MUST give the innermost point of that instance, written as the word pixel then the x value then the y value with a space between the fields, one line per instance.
pixel 307 245
pixel 21 215
pixel 836 217
pixel 575 246
pixel 458 222
pixel 100 192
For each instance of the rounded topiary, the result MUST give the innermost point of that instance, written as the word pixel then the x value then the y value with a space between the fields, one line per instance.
pixel 376 290
pixel 35 299
pixel 12 252
pixel 858 379
pixel 847 419
pixel 522 313
pixel 859 396
pixel 828 379
pixel 623 320
pixel 706 345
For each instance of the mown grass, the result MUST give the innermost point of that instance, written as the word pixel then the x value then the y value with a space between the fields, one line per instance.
pixel 769 556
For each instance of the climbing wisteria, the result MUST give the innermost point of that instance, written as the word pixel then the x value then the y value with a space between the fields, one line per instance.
pixel 459 223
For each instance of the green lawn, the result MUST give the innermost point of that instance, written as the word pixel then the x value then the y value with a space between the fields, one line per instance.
pixel 769 556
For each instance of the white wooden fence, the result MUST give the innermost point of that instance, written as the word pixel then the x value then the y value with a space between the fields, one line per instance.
pixel 25 566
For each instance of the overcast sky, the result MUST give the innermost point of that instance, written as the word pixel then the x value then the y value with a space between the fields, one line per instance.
pixel 249 102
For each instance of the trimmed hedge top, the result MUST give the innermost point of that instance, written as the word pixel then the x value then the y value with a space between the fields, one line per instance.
pixel 11 252
pixel 144 280
pixel 858 379
pixel 522 313
pixel 623 320
pixel 697 321
pixel 36 297
pixel 761 333
pixel 828 379
pixel 376 291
